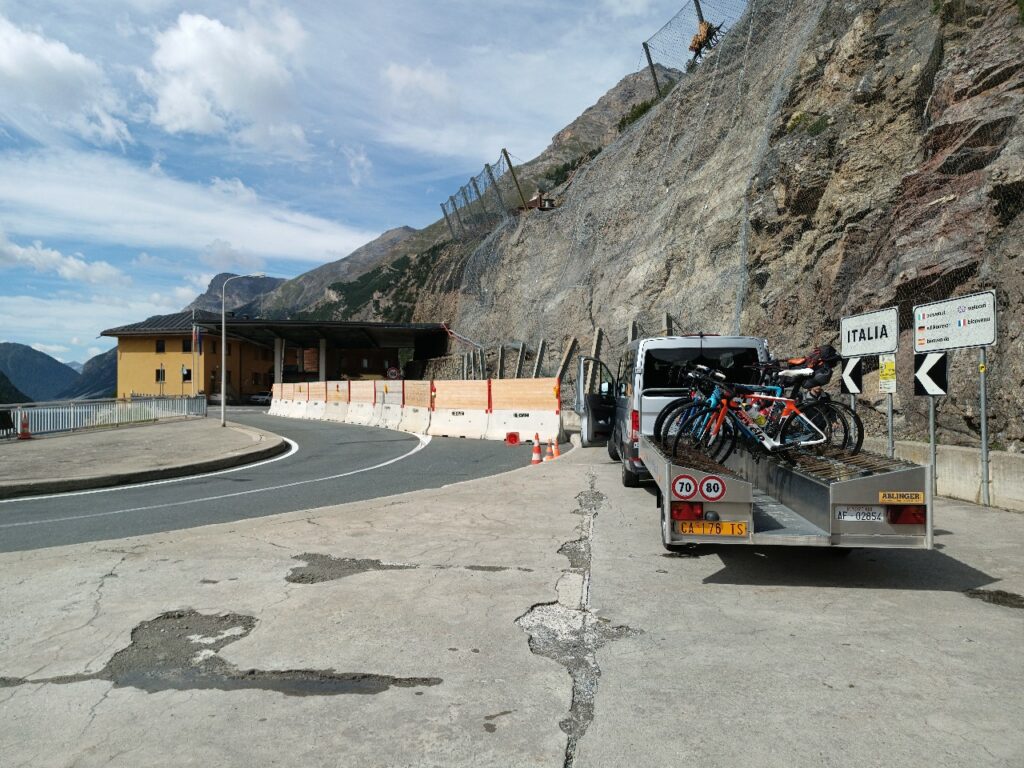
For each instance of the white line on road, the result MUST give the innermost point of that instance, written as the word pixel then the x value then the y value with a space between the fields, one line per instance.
pixel 291 452
pixel 424 441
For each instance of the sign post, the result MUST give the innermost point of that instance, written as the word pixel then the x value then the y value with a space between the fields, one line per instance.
pixel 874 333
pixel 962 323
pixel 931 381
pixel 887 387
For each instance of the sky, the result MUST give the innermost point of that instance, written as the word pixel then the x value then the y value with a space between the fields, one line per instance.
pixel 146 145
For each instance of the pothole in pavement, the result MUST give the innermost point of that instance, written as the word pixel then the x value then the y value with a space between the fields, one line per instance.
pixel 179 651
pixel 567 632
pixel 997 597
pixel 320 568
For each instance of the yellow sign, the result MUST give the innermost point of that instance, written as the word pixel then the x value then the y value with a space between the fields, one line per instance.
pixel 901 497
pixel 887 374
pixel 708 528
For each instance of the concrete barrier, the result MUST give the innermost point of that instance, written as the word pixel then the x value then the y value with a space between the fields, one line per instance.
pixel 527 406
pixel 335 412
pixel 460 409
pixel 390 397
pixel 362 407
pixel 415 419
pixel 958 471
pixel 315 409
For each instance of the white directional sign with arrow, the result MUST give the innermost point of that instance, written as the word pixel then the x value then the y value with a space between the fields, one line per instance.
pixel 930 376
pixel 851 381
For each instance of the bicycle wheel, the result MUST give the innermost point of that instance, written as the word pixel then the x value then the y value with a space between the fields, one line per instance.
pixel 697 434
pixel 669 413
pixel 671 418
pixel 856 426
pixel 808 430
pixel 840 429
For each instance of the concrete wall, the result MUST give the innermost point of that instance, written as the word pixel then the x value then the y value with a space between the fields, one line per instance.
pixel 958 471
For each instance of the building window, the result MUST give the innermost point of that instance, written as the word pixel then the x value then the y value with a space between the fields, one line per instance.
pixel 215 347
pixel 161 375
pixel 186 374
pixel 186 346
pixel 229 349
pixel 366 363
pixel 160 346
pixel 227 378
pixel 255 379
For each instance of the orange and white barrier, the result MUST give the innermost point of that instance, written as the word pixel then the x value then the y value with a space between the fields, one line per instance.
pixel 472 409
pixel 460 409
pixel 527 406
pixel 416 410
pixel 362 405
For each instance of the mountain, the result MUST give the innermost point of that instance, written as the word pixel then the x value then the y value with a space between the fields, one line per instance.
pixel 75 366
pixel 824 160
pixel 240 291
pixel 305 292
pixel 98 378
pixel 36 374
pixel 10 393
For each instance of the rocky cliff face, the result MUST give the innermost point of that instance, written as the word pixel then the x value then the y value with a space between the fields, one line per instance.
pixel 828 158
pixel 238 293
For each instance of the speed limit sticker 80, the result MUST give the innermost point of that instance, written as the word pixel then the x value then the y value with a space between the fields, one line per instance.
pixel 712 488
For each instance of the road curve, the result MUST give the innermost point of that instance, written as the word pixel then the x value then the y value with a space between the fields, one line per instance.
pixel 330 464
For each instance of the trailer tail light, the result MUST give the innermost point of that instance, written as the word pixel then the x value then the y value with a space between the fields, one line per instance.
pixel 634 425
pixel 687 510
pixel 907 514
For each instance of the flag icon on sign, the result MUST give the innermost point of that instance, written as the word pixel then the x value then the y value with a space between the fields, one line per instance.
pixel 961 323
pixel 920 329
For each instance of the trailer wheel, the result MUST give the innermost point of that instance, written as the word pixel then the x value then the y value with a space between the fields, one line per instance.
pixel 630 479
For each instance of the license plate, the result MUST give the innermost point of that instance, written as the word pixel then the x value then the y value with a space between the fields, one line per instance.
pixel 860 513
pixel 706 528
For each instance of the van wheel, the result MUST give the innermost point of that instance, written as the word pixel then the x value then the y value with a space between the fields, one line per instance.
pixel 630 479
pixel 613 448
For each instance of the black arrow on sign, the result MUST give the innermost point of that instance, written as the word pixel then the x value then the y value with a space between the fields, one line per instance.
pixel 930 375
pixel 850 381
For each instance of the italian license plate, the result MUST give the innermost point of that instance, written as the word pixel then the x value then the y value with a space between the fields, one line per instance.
pixel 707 528
pixel 860 513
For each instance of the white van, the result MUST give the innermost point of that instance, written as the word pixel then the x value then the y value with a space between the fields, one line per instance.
pixel 650 374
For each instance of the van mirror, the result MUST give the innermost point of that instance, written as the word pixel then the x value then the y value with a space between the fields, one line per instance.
pixel 606 388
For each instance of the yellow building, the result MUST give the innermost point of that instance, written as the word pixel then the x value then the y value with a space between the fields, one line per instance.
pixel 159 356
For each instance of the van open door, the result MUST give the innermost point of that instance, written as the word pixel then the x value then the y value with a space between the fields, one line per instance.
pixel 595 401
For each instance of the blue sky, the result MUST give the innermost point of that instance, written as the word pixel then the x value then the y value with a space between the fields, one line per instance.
pixel 146 145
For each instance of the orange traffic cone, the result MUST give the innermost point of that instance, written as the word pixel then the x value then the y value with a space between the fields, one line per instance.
pixel 24 433
pixel 550 456
pixel 536 459
pixel 557 452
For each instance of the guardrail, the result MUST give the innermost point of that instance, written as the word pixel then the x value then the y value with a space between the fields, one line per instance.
pixel 71 416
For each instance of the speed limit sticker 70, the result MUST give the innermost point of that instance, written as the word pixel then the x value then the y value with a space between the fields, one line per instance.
pixel 684 487
pixel 712 488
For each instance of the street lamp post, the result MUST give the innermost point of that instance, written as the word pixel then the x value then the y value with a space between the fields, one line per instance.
pixel 224 345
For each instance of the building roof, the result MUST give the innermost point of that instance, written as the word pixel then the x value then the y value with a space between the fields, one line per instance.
pixel 306 333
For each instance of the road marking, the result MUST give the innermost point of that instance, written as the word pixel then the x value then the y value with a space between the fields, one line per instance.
pixel 291 452
pixel 424 441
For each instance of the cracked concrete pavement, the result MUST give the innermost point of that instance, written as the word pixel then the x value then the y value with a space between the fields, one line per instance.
pixel 530 618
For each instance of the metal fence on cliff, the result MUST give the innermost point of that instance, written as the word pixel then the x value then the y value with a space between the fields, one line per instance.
pixel 485 201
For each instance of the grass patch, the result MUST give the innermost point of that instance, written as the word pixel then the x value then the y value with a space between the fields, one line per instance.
pixel 636 112
pixel 804 121
pixel 557 174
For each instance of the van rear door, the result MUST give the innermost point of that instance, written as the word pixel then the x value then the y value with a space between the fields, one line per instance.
pixel 595 401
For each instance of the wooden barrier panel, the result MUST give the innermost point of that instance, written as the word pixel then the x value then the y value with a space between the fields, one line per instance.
pixel 524 395
pixel 389 392
pixel 417 394
pixel 461 395
pixel 287 391
pixel 318 391
pixel 302 391
pixel 362 391
pixel 275 391
pixel 337 391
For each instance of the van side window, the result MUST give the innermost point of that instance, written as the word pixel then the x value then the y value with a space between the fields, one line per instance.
pixel 627 365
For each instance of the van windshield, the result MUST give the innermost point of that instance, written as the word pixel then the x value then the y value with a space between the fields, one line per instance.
pixel 664 368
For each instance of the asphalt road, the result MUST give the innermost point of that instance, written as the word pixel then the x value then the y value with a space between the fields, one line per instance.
pixel 333 464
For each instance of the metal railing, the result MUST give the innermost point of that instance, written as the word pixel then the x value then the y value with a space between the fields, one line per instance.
pixel 71 416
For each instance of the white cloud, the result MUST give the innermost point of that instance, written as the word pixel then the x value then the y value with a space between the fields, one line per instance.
pixel 425 82
pixel 620 8
pixel 221 256
pixel 209 78
pixel 48 260
pixel 44 194
pixel 359 165
pixel 51 349
pixel 93 351
pixel 44 83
